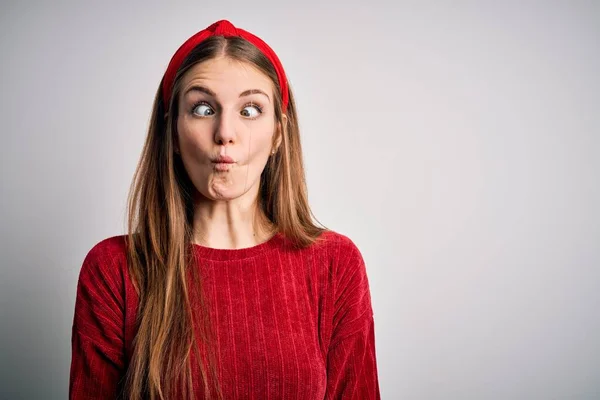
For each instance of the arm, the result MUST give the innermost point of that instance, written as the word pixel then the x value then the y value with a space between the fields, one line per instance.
pixel 97 358
pixel 351 357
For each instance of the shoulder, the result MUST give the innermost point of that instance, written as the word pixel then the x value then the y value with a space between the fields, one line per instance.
pixel 107 251
pixel 111 246
pixel 341 252
pixel 338 245
pixel 106 260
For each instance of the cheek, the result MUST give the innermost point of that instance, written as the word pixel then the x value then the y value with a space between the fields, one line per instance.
pixel 194 143
pixel 258 151
pixel 260 143
pixel 260 138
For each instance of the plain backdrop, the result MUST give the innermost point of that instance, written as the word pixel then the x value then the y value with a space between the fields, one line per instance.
pixel 457 143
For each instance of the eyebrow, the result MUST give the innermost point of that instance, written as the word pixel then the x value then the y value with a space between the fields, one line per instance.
pixel 203 89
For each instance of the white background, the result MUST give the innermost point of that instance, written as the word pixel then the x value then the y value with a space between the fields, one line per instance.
pixel 457 143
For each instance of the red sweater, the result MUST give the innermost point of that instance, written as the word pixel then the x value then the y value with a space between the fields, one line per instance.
pixel 289 323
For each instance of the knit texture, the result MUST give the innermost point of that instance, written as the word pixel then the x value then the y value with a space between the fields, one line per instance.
pixel 289 323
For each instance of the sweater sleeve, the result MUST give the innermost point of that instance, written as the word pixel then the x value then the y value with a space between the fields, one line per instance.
pixel 351 357
pixel 97 341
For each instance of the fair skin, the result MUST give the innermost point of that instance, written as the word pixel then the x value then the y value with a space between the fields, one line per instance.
pixel 226 108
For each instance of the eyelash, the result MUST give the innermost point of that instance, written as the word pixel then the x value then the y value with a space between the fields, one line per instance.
pixel 251 104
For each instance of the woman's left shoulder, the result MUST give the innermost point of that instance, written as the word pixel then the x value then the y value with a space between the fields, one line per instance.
pixel 340 246
pixel 336 238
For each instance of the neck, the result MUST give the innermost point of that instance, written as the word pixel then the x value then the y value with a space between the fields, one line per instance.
pixel 230 224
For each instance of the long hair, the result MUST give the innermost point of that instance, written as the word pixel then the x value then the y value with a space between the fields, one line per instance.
pixel 159 221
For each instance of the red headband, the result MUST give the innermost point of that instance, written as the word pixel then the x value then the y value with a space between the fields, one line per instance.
pixel 222 28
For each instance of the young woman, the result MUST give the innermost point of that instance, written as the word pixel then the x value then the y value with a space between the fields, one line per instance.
pixel 224 286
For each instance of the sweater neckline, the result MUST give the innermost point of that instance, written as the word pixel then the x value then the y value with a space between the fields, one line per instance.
pixel 237 254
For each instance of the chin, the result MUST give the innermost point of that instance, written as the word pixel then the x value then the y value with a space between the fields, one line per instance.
pixel 220 191
pixel 223 186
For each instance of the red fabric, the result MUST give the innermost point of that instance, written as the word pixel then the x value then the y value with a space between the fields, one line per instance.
pixel 222 28
pixel 290 323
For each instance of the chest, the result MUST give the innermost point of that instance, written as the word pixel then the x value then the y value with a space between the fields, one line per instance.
pixel 266 321
pixel 266 317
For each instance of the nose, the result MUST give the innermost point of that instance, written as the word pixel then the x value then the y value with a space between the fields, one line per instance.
pixel 225 129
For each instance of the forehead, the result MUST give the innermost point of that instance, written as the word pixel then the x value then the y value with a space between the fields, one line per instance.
pixel 225 75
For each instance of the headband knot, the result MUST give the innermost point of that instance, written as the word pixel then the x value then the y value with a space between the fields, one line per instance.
pixel 226 29
pixel 223 28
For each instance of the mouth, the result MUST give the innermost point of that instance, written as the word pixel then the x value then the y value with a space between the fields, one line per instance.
pixel 222 166
pixel 223 163
pixel 223 160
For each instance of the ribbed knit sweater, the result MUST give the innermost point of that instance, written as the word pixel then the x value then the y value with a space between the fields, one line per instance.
pixel 289 323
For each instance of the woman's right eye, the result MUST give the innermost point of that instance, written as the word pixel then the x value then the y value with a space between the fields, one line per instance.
pixel 203 109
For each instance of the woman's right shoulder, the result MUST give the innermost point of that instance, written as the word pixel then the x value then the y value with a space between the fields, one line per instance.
pixel 107 259
pixel 110 246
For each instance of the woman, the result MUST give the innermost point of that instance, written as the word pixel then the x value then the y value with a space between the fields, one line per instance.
pixel 224 287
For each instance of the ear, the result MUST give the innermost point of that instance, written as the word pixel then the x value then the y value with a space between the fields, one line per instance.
pixel 281 130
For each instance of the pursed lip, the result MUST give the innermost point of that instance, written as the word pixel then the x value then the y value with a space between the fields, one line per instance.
pixel 223 160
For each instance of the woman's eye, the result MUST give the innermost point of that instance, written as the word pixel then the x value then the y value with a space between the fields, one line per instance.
pixel 251 111
pixel 203 110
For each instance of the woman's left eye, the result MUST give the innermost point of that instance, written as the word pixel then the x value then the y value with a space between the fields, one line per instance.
pixel 251 111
